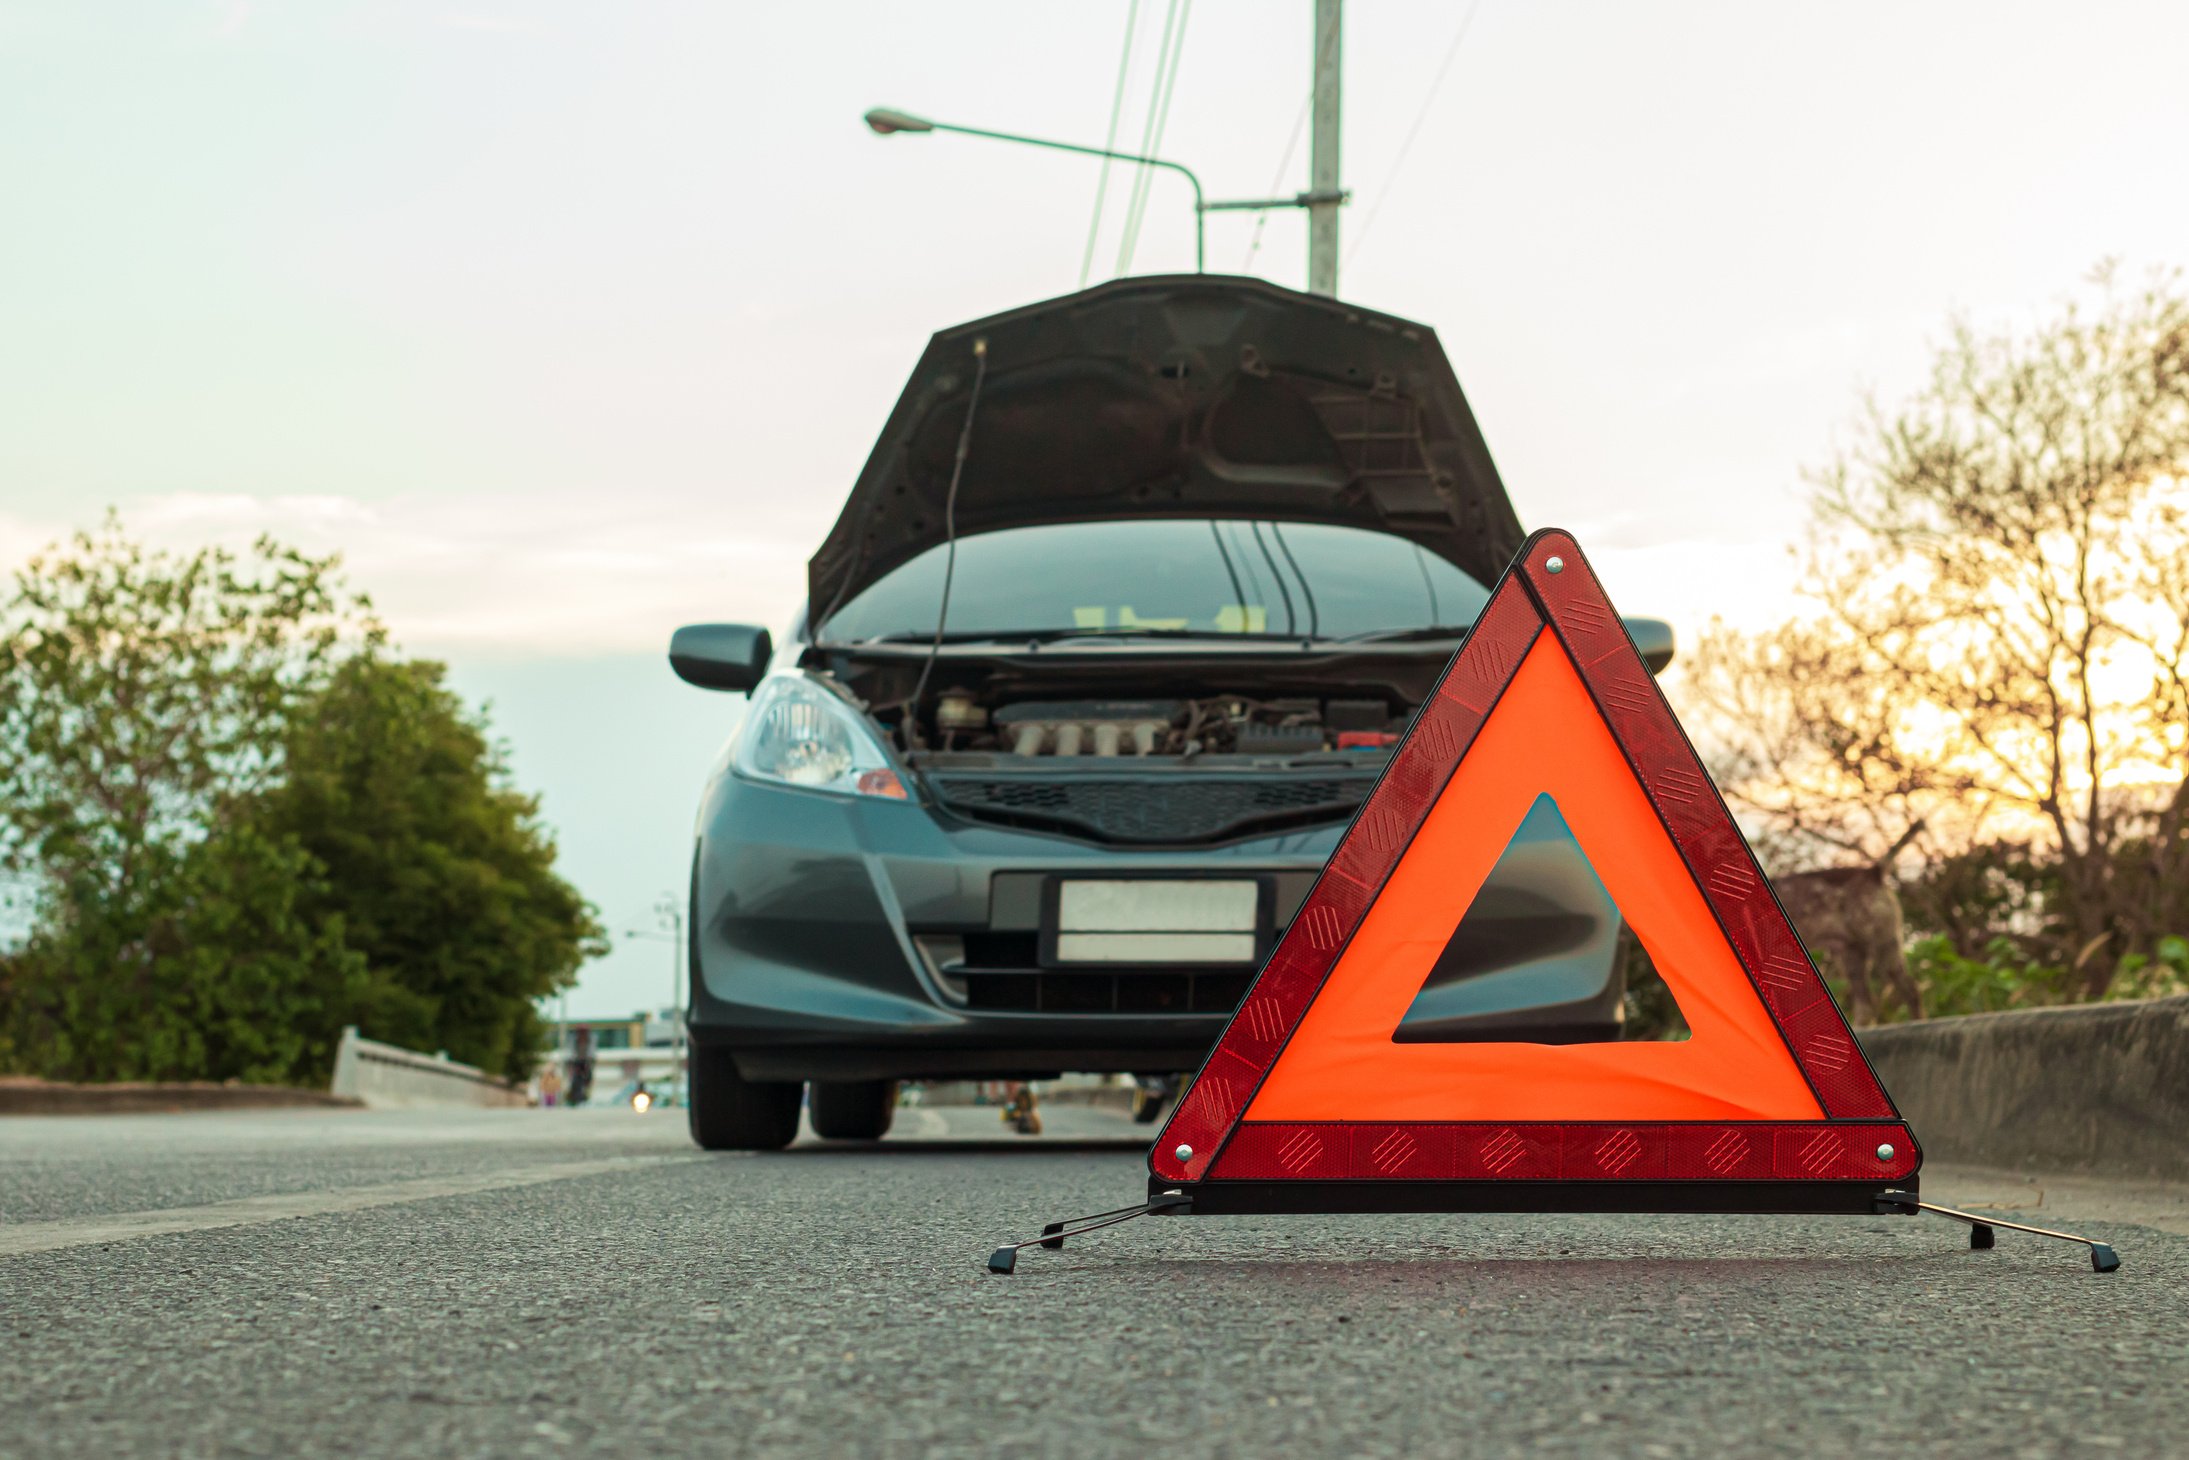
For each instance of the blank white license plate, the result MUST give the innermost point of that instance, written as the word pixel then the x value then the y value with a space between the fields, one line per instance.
pixel 1147 920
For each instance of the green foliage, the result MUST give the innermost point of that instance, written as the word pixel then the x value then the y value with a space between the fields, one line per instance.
pixel 205 967
pixel 2004 978
pixel 142 701
pixel 247 828
pixel 441 876
pixel 142 692
pixel 2007 977
pixel 2163 974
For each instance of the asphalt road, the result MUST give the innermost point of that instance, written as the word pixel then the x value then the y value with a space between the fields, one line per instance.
pixel 579 1283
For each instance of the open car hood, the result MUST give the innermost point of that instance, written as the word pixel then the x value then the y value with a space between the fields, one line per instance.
pixel 1185 396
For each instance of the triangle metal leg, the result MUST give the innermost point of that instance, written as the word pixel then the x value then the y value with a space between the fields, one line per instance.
pixel 1005 1258
pixel 1981 1229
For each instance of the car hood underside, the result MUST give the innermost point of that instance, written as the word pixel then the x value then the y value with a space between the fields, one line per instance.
pixel 1186 396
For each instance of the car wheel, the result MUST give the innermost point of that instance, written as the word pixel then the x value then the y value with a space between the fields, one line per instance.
pixel 732 1113
pixel 853 1110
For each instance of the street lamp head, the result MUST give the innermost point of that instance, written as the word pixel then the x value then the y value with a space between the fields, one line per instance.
pixel 884 121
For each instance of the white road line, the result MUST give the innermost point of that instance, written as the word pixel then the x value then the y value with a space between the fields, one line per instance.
pixel 28 1237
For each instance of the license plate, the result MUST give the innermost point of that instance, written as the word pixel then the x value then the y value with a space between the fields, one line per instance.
pixel 1154 920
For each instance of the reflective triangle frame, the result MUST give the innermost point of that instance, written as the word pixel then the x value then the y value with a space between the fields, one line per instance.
pixel 1211 1159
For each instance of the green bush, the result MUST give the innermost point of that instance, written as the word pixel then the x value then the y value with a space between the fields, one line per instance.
pixel 2005 977
pixel 206 967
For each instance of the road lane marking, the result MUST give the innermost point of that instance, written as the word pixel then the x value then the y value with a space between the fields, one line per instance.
pixel 28 1237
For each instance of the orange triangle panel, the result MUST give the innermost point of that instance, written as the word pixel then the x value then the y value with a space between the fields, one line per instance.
pixel 1546 697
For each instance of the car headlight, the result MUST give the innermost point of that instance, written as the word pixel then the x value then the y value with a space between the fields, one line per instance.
pixel 799 733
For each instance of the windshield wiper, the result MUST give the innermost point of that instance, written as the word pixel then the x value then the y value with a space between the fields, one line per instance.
pixel 1400 636
pixel 1045 636
pixel 1050 636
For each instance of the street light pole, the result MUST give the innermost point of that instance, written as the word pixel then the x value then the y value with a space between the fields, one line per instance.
pixel 671 913
pixel 884 122
pixel 669 916
pixel 1322 216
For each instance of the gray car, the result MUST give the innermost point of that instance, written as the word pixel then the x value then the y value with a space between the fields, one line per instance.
pixel 1114 635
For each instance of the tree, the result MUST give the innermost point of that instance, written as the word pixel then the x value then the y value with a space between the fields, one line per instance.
pixel 246 827
pixel 1999 644
pixel 143 697
pixel 440 875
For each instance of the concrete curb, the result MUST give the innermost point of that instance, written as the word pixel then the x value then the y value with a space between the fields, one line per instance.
pixel 2101 1088
pixel 385 1076
pixel 46 1097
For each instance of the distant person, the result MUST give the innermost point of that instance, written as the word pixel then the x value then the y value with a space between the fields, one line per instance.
pixel 581 1066
pixel 1021 1111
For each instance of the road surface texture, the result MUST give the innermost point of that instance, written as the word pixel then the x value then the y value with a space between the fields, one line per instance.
pixel 584 1283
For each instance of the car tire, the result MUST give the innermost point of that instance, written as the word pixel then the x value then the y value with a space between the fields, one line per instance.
pixel 853 1110
pixel 732 1113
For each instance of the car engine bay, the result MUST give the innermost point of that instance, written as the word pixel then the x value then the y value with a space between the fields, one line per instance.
pixel 1187 728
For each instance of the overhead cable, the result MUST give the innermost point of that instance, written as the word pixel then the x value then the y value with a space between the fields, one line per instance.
pixel 1109 141
pixel 1147 129
pixel 1292 144
pixel 1444 68
pixel 1167 85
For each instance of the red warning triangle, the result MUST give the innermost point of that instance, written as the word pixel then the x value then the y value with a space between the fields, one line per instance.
pixel 1310 1098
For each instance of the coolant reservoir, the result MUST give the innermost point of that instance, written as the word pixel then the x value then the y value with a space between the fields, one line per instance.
pixel 958 710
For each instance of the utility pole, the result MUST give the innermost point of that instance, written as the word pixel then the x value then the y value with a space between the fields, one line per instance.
pixel 1322 217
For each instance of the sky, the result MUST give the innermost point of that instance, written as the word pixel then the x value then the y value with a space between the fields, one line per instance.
pixel 567 323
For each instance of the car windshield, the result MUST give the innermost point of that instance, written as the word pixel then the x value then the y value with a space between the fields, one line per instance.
pixel 1170 575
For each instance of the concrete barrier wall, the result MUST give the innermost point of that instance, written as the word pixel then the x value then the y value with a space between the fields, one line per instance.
pixel 2096 1087
pixel 383 1076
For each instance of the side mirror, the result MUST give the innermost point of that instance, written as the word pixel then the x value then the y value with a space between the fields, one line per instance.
pixel 1653 637
pixel 720 656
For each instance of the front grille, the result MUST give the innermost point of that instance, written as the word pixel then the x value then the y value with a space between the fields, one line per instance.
pixel 1153 810
pixel 1000 971
pixel 1124 992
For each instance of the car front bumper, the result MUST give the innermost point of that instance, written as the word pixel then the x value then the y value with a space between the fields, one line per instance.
pixel 831 937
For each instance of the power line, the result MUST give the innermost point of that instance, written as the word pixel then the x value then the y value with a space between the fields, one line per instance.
pixel 1292 144
pixel 1148 130
pixel 1159 119
pixel 1151 138
pixel 1451 53
pixel 1109 141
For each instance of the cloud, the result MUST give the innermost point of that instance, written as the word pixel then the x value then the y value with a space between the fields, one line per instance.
pixel 472 20
pixel 532 576
pixel 552 575
pixel 1749 584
